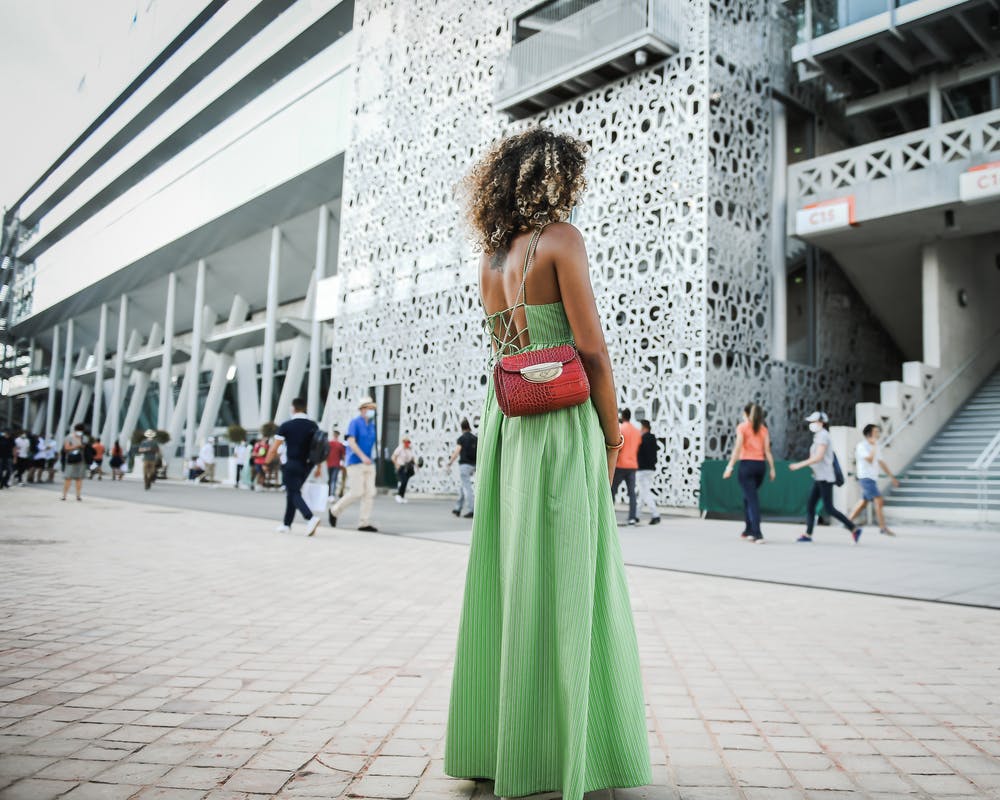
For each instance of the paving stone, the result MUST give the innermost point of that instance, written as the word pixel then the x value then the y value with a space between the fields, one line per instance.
pixel 403 766
pixel 36 789
pixel 381 786
pixel 258 780
pixel 312 784
pixel 102 791
pixel 72 769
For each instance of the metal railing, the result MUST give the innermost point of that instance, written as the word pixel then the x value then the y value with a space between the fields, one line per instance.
pixel 930 399
pixel 981 466
pixel 820 17
pixel 582 37
pixel 960 140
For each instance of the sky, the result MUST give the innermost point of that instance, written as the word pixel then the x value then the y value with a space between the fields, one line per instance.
pixel 61 63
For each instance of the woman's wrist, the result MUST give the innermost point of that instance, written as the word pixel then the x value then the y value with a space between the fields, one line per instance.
pixel 617 445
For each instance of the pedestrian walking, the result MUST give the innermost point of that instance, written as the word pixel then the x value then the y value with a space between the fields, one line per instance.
pixel 241 455
pixel 296 434
pixel 38 449
pixel 259 459
pixel 628 464
pixel 361 438
pixel 546 690
pixel 75 467
pixel 404 459
pixel 51 452
pixel 116 462
pixel 7 452
pixel 868 456
pixel 335 465
pixel 646 462
pixel 149 452
pixel 22 462
pixel 753 451
pixel 97 465
pixel 206 459
pixel 821 459
pixel 465 454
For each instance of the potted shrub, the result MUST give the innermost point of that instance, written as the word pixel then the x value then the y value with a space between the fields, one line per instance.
pixel 236 434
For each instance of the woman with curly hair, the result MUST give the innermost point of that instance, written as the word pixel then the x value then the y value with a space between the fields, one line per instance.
pixel 546 692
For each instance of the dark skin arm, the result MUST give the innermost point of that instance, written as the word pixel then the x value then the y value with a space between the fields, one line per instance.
pixel 561 272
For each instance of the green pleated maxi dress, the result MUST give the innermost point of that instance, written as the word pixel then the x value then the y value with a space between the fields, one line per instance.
pixel 546 693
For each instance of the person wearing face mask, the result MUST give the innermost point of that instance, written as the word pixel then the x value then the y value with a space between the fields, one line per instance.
pixel 361 438
pixel 824 477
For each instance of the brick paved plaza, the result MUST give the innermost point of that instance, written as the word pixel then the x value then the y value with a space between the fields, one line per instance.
pixel 155 652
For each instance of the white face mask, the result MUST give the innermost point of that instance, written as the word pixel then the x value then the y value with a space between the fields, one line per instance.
pixel 815 427
pixel 370 413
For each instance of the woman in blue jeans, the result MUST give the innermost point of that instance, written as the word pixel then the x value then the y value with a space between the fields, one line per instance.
pixel 824 476
pixel 752 450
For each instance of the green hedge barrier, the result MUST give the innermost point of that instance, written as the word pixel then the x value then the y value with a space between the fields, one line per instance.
pixel 785 496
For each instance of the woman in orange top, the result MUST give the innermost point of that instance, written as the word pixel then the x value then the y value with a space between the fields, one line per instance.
pixel 753 447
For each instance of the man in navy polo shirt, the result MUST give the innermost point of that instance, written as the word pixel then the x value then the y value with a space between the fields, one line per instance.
pixel 297 434
pixel 361 436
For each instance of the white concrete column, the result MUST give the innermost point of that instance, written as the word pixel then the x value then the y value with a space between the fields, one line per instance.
pixel 25 411
pixel 196 333
pixel 67 374
pixel 779 201
pixel 84 395
pixel 177 418
pixel 315 329
pixel 246 388
pixel 930 300
pixel 116 387
pixel 140 385
pixel 102 345
pixel 270 328
pixel 293 378
pixel 53 378
pixel 216 391
pixel 163 414
pixel 934 107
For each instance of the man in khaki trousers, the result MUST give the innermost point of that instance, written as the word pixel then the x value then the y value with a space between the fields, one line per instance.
pixel 361 442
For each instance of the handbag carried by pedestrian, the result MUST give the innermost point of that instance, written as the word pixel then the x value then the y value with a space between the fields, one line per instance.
pixel 539 380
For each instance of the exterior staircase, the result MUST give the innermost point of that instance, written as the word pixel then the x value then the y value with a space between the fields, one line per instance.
pixel 939 485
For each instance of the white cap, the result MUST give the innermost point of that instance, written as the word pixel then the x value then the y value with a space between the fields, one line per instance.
pixel 817 416
pixel 365 401
pixel 210 440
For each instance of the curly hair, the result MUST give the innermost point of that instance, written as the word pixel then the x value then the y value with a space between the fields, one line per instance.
pixel 525 180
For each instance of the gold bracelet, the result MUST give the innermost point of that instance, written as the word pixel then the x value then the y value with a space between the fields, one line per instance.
pixel 619 446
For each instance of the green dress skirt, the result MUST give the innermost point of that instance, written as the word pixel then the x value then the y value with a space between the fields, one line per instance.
pixel 546 693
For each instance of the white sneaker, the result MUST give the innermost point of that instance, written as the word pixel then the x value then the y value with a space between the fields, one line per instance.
pixel 407 501
pixel 400 499
pixel 312 525
pixel 282 529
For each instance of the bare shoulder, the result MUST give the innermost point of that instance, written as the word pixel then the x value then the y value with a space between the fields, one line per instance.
pixel 563 234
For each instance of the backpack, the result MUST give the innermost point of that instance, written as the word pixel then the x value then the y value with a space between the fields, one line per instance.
pixel 838 473
pixel 319 447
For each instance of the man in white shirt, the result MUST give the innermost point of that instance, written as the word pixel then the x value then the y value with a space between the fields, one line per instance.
pixel 241 452
pixel 869 459
pixel 207 459
pixel 22 447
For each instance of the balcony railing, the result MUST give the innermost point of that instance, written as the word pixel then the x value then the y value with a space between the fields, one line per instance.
pixel 958 141
pixel 605 39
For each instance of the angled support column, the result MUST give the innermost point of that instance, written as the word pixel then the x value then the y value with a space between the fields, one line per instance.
pixel 246 388
pixel 102 345
pixel 315 329
pixel 50 405
pixel 163 415
pixel 270 328
pixel 195 372
pixel 293 378
pixel 116 388
pixel 140 385
pixel 67 374
pixel 178 417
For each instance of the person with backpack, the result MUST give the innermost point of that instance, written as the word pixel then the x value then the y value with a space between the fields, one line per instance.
pixel 299 435
pixel 826 475
pixel 75 454
pixel 465 453
pixel 149 453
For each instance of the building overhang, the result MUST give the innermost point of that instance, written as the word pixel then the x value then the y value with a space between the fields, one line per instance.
pixel 247 336
pixel 892 48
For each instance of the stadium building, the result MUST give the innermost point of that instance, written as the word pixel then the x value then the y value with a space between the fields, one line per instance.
pixel 797 204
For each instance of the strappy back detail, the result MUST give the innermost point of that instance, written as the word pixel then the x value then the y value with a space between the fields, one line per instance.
pixel 508 342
